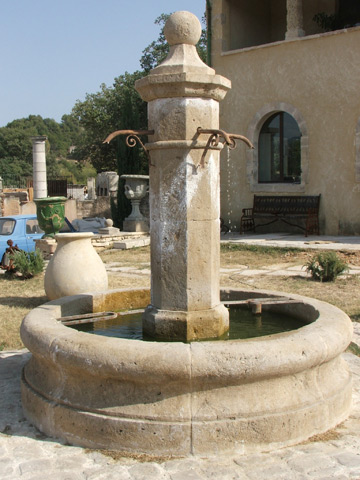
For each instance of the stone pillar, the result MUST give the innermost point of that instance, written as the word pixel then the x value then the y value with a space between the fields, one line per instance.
pixel 39 167
pixel 294 19
pixel 91 188
pixel 1 198
pixel 113 183
pixel 184 94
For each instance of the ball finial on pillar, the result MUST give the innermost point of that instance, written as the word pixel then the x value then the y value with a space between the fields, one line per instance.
pixel 182 27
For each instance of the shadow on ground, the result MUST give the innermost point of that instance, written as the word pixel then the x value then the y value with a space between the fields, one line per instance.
pixel 23 302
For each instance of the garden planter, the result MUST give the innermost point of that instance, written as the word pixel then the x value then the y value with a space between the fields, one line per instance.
pixel 75 267
pixel 50 213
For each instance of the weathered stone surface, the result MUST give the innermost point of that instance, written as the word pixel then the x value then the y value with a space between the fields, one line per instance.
pixel 132 243
pixel 183 94
pixel 181 399
pixel 174 398
pixel 23 441
pixel 75 267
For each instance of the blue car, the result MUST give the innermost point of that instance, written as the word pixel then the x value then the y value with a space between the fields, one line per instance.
pixel 23 230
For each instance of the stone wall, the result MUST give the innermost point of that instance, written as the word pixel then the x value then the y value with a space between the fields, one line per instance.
pixel 15 203
pixel 94 208
pixel 100 242
pixel 12 201
pixel 314 79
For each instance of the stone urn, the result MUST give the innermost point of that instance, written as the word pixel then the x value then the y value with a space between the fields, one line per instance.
pixel 75 267
pixel 50 213
pixel 136 187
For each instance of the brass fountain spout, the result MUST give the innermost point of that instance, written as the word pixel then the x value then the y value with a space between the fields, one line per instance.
pixel 220 136
pixel 132 138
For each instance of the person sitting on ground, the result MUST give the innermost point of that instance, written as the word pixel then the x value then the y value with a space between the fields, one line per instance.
pixel 7 263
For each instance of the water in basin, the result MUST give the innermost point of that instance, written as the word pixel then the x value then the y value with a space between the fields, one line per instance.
pixel 243 324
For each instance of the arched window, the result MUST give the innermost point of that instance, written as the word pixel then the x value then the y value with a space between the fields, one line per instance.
pixel 280 150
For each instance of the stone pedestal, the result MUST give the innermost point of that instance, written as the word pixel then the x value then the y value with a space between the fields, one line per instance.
pixel 109 229
pixel 91 186
pixel 136 187
pixel 183 94
pixel 294 19
pixel 39 167
pixel 135 226
pixel 47 247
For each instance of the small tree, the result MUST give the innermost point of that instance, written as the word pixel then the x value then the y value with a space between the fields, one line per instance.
pixel 28 264
pixel 326 267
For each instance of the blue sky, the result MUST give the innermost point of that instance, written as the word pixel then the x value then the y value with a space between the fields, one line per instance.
pixel 53 52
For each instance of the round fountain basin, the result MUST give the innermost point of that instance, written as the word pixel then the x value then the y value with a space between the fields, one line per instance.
pixel 177 399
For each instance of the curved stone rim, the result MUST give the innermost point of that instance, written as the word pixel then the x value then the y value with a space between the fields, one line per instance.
pixel 50 200
pixel 74 235
pixel 316 343
pixel 184 399
pixel 140 177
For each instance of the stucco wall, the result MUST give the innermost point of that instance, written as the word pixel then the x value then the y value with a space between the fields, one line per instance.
pixel 318 78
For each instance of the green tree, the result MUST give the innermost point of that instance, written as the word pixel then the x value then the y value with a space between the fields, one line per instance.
pixel 16 145
pixel 118 107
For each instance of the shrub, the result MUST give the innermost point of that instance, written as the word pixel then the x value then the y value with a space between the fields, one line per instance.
pixel 28 263
pixel 326 267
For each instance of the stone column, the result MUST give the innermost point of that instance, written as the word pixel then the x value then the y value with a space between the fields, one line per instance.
pixel 39 167
pixel 1 198
pixel 294 19
pixel 91 188
pixel 184 94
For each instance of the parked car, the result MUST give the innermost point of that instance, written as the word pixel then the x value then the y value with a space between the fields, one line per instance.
pixel 23 230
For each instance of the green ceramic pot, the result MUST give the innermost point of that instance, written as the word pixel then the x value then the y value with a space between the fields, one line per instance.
pixel 50 213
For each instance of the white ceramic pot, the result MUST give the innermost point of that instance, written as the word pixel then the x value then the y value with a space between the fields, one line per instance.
pixel 75 267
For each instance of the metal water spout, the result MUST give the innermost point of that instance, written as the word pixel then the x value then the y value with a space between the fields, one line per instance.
pixel 132 138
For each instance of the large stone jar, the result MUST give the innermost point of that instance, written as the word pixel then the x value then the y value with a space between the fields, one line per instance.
pixel 136 187
pixel 50 213
pixel 75 267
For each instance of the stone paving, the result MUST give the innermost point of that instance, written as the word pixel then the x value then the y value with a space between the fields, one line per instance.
pixel 323 242
pixel 27 454
pixel 242 270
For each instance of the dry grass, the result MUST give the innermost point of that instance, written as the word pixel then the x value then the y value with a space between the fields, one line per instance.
pixel 343 293
pixel 17 297
pixel 328 436
pixel 135 256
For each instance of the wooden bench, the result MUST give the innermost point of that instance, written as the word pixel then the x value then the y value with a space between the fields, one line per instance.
pixel 301 209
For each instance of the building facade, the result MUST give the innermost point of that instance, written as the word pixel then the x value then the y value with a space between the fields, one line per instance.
pixel 296 95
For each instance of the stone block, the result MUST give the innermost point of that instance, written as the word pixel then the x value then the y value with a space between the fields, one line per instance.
pixel 132 243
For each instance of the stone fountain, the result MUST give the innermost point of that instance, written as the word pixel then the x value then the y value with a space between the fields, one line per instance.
pixel 176 398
